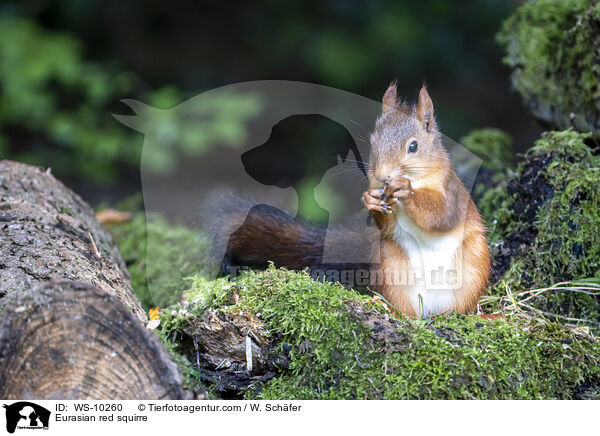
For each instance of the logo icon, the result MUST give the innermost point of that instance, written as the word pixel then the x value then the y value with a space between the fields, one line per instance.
pixel 26 415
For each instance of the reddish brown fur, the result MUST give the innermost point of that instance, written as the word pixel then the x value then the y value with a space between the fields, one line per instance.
pixel 441 205
pixel 269 234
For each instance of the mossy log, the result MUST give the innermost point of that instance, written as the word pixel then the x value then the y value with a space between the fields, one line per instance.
pixel 71 325
pixel 234 350
pixel 325 341
pixel 70 340
pixel 553 49
pixel 543 227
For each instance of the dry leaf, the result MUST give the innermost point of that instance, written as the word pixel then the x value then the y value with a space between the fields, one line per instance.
pixel 112 216
pixel 154 313
pixel 493 316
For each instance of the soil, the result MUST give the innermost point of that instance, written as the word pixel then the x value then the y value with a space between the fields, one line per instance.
pixel 531 189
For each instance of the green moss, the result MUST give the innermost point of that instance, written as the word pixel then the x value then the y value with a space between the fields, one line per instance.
pixel 335 353
pixel 499 217
pixel 492 145
pixel 544 223
pixel 160 257
pixel 553 48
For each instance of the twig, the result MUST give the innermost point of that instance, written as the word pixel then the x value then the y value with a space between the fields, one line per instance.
pixel 518 301
pixel 248 354
pixel 94 248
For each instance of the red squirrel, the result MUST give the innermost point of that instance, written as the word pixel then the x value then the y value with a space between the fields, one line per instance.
pixel 433 254
pixel 427 219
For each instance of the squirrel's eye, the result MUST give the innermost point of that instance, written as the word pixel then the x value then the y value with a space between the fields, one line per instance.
pixel 412 147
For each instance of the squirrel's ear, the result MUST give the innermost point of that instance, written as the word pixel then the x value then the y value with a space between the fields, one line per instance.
pixel 389 98
pixel 425 109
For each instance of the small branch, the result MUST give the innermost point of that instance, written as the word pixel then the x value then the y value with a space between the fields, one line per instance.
pixel 94 248
pixel 248 354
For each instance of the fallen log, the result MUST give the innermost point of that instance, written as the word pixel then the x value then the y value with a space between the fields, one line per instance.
pixel 70 324
pixel 48 232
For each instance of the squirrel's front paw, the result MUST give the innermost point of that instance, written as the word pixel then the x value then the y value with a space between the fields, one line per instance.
pixel 399 188
pixel 373 201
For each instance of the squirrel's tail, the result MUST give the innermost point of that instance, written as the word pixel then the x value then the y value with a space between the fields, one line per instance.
pixel 253 235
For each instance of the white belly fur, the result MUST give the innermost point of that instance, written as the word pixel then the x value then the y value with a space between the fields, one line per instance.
pixel 428 254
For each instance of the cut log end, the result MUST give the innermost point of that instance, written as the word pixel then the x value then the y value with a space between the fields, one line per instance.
pixel 69 340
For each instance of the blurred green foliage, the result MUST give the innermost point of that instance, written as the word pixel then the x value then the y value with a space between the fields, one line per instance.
pixel 360 46
pixel 64 66
pixel 55 110
pixel 192 129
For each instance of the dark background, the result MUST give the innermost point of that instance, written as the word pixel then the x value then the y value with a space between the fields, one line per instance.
pixel 164 52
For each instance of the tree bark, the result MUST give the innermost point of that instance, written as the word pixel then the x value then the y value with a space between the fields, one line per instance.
pixel 70 324
pixel 48 232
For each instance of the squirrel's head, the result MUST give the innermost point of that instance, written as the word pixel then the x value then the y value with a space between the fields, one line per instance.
pixel 406 141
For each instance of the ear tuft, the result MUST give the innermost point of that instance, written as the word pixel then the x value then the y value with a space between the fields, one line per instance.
pixel 389 98
pixel 425 109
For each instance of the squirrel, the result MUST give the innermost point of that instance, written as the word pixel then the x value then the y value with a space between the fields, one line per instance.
pixel 433 253
pixel 427 219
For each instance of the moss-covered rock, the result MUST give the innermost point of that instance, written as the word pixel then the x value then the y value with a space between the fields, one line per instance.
pixel 553 48
pixel 544 223
pixel 344 345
